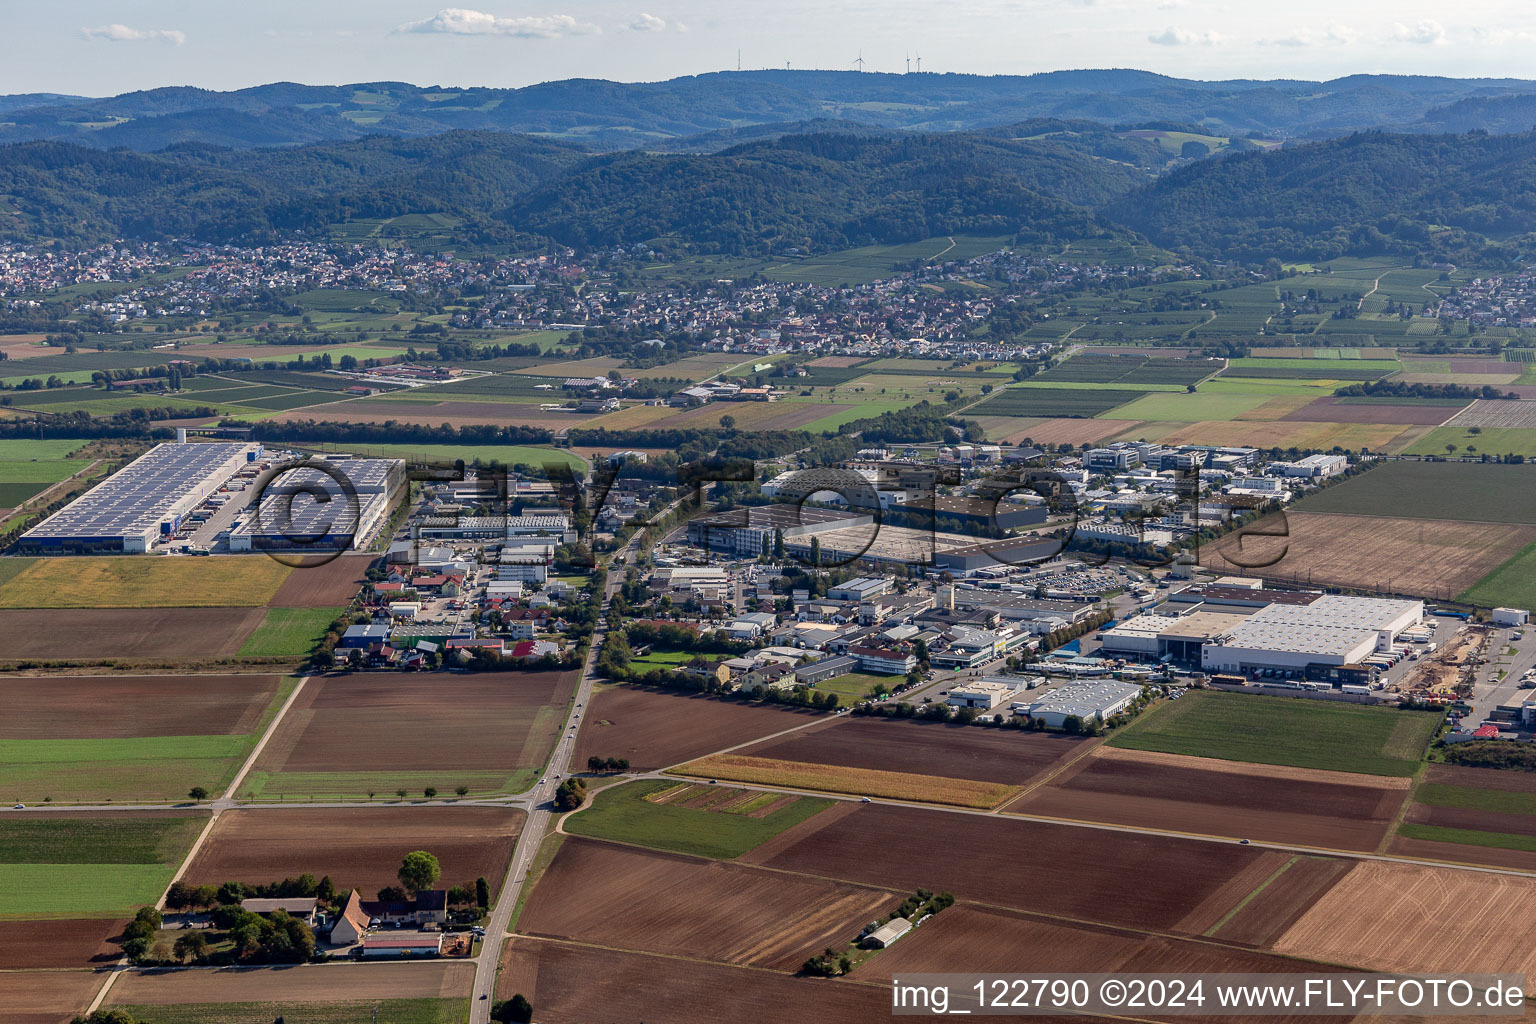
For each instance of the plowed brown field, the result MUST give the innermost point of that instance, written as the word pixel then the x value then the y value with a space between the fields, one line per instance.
pixel 45 997
pixel 1284 898
pixel 58 943
pixel 697 908
pixel 321 586
pixel 654 729
pixel 359 848
pixel 1431 557
pixel 357 723
pixel 579 985
pixel 924 748
pixel 134 633
pixel 1333 810
pixel 103 707
pixel 1155 881
pixel 1403 917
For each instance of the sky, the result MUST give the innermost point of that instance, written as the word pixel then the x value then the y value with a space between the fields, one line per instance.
pixel 104 47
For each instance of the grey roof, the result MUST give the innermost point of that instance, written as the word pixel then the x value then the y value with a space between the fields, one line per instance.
pixel 1084 699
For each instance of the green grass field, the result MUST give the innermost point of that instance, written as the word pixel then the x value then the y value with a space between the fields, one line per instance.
pixel 1468 798
pixel 1511 585
pixel 374 1011
pixel 1288 731
pixel 855 685
pixel 1493 440
pixel 666 660
pixel 1187 407
pixel 288 632
pixel 1467 837
pixel 42 451
pixel 507 455
pixel 1470 491
pixel 80 867
pixel 1053 402
pixel 622 813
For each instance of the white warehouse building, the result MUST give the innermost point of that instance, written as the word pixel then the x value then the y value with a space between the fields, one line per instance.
pixel 1331 631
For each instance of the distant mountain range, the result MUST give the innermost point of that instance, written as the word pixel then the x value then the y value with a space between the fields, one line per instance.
pixel 710 108
pixel 765 162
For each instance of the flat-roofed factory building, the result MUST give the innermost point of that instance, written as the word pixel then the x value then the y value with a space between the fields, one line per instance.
pixel 141 503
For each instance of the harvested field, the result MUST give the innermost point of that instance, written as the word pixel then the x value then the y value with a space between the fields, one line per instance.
pixel 1281 900
pixel 457 414
pixel 430 979
pixel 322 586
pixel 906 847
pixel 1403 917
pixel 25 945
pixel 1473 820
pixel 168 634
pixel 1497 413
pixel 359 848
pixel 696 908
pixel 1470 380
pixel 1333 810
pixel 1287 434
pixel 719 822
pixel 838 361
pixel 415 724
pixel 100 707
pixel 933 789
pixel 655 728
pixel 1334 410
pixel 217 582
pixel 1462 853
pixel 1014 429
pixel 46 997
pixel 925 748
pixel 559 980
pixel 1428 557
pixel 748 415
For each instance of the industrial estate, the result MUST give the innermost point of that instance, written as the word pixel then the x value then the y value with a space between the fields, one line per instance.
pixel 426 599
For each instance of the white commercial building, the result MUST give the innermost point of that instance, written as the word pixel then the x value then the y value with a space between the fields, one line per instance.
pixel 1332 630
pixel 1089 701
pixel 983 696
pixel 1510 616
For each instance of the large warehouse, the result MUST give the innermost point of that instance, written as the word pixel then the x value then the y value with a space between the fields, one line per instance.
pixel 133 508
pixel 1333 630
pixel 291 516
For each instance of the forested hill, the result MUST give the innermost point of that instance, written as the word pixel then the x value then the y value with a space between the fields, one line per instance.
pixel 823 192
pixel 1454 196
pixel 62 191
pixel 812 191
pixel 630 115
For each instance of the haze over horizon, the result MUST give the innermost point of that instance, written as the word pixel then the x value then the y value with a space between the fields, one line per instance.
pixel 98 48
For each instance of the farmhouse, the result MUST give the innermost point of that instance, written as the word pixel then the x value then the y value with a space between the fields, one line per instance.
pixel 352 923
pixel 301 907
pixel 429 907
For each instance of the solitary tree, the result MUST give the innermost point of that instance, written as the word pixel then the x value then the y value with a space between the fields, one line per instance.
pixel 418 871
pixel 727 422
pixel 517 1010
pixel 197 793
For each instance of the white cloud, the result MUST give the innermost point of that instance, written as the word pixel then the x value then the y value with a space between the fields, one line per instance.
pixel 647 23
pixel 1184 37
pixel 1337 35
pixel 124 34
pixel 457 21
pixel 1425 33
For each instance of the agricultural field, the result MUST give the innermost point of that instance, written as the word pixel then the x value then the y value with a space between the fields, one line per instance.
pixel 769 771
pixel 447 454
pixel 331 583
pixel 902 848
pixel 1053 402
pixel 394 1011
pixel 102 865
pixel 558 978
pixel 74 582
pixel 360 848
pixel 1473 815
pixel 1414 919
pixel 684 906
pixel 1098 368
pixel 693 818
pixel 926 748
pixel 455 412
pixel 346 995
pixel 1421 412
pixel 1494 440
pixel 1181 406
pixel 416 726
pixel 1024 429
pixel 1298 806
pixel 288 632
pixel 127 634
pixel 1512 584
pixel 1284 731
pixel 1468 491
pixel 148 738
pixel 856 686
pixel 30 467
pixel 1425 557
pixel 46 997
pixel 653 728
